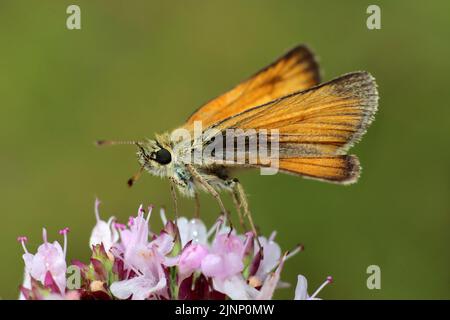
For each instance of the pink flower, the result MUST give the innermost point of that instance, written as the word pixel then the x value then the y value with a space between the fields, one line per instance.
pixel 130 261
pixel 50 257
pixel 221 266
pixel 150 279
pixel 228 243
pixel 225 259
pixel 224 265
pixel 163 243
pixel 235 287
pixel 191 259
pixel 238 289
pixel 70 295
pixel 142 257
pixel 103 232
pixel 135 241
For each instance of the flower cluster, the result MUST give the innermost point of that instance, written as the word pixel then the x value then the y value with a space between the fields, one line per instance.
pixel 185 261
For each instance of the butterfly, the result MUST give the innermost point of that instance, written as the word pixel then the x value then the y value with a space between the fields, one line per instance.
pixel 311 124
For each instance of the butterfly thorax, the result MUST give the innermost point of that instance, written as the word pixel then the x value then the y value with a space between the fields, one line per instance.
pixel 165 158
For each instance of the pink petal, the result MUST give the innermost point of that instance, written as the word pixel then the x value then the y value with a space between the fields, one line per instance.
pixel 227 243
pixel 191 259
pixel 139 288
pixel 171 261
pixel 222 265
pixel 212 266
pixel 271 282
pixel 163 243
pixel 271 257
pixel 235 287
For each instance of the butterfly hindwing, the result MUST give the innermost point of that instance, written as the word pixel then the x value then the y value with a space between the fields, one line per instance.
pixel 339 169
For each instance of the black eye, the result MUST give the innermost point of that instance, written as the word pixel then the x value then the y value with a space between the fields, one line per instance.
pixel 163 156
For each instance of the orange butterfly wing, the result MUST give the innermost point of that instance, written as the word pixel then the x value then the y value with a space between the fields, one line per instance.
pixel 316 126
pixel 339 169
pixel 295 71
pixel 322 121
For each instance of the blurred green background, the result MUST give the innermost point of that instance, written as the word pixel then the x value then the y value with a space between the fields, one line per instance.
pixel 140 67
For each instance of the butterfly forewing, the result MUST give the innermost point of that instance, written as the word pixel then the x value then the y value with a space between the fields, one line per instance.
pixel 295 71
pixel 321 121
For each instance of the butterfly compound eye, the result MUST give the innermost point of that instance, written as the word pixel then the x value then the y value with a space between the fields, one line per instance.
pixel 163 156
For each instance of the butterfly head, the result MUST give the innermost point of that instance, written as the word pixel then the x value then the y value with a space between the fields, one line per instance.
pixel 154 156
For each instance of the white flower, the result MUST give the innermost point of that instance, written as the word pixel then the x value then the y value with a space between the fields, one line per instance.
pixel 103 232
pixel 301 291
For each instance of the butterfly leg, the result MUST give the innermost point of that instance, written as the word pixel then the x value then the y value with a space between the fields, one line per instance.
pixel 239 191
pixel 173 193
pixel 198 177
pixel 197 205
pixel 238 205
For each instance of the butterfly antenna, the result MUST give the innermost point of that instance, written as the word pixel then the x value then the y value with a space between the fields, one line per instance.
pixel 101 143
pixel 135 177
